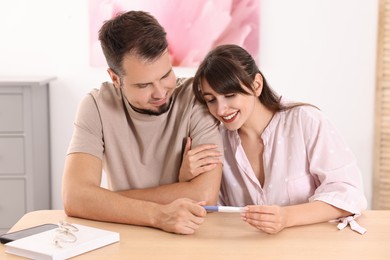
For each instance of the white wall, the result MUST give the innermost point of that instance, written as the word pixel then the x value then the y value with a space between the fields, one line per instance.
pixel 318 51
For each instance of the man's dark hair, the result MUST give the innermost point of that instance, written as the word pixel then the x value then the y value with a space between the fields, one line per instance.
pixel 134 32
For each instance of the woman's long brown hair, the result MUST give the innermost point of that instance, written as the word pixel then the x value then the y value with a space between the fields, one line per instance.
pixel 226 68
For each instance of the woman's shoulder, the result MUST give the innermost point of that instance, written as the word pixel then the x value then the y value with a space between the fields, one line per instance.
pixel 303 111
pixel 306 116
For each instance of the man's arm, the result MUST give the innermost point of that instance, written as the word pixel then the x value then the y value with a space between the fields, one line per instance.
pixel 201 186
pixel 88 124
pixel 204 187
pixel 83 197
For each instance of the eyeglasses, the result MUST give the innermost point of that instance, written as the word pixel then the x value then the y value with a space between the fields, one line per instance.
pixel 65 234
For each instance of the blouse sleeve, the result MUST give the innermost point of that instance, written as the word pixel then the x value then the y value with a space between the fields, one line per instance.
pixel 334 166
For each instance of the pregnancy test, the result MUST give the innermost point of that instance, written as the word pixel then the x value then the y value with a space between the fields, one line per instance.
pixel 224 209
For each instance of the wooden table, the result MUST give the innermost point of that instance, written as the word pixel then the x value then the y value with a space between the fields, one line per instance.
pixel 225 236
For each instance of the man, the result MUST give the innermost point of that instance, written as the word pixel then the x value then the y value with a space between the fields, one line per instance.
pixel 134 128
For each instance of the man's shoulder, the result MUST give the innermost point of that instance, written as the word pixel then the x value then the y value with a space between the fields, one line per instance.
pixel 106 94
pixel 183 90
pixel 186 103
pixel 184 80
pixel 105 87
pixel 184 84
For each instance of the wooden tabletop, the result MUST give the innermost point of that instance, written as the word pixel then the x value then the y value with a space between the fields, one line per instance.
pixel 226 236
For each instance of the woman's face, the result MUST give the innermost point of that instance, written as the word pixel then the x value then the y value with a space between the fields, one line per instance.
pixel 233 109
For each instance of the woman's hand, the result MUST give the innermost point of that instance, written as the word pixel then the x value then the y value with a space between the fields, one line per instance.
pixel 270 219
pixel 198 160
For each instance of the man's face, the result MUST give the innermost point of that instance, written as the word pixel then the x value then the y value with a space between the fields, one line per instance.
pixel 148 85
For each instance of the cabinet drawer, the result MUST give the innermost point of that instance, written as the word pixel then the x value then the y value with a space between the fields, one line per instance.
pixel 12 201
pixel 11 112
pixel 11 155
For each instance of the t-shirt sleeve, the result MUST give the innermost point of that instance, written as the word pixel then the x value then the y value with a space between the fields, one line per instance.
pixel 204 127
pixel 87 132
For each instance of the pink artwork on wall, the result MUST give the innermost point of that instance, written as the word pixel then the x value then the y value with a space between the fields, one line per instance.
pixel 193 27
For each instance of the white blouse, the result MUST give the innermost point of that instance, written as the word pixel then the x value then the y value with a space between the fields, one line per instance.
pixel 304 158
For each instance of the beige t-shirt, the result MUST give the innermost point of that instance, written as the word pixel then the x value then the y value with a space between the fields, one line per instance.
pixel 139 150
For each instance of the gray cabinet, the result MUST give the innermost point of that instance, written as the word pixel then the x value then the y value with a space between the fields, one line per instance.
pixel 24 147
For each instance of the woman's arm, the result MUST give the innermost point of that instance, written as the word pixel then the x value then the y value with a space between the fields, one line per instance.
pixel 273 219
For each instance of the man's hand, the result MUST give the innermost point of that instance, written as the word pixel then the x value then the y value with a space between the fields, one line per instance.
pixel 198 160
pixel 182 216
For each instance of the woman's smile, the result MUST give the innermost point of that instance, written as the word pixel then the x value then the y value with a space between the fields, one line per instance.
pixel 230 118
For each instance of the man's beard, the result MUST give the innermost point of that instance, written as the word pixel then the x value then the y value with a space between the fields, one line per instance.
pixel 161 109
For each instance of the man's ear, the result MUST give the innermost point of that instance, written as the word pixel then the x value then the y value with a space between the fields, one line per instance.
pixel 258 84
pixel 116 80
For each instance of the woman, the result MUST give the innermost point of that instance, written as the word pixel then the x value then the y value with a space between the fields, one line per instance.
pixel 284 161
